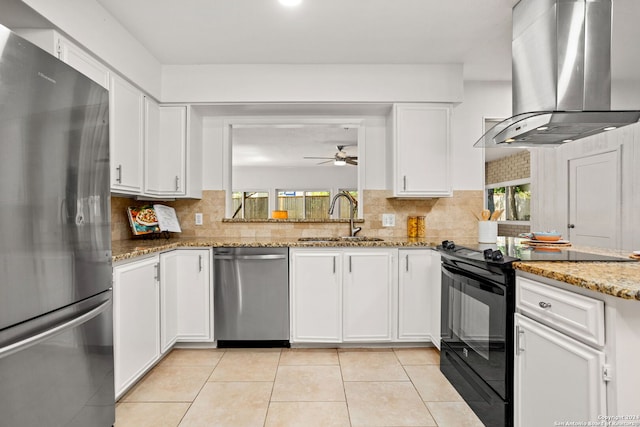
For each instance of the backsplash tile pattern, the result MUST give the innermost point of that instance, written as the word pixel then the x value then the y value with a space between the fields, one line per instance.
pixel 446 218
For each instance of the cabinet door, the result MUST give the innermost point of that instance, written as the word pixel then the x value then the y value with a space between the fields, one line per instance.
pixel 414 295
pixel 422 154
pixel 169 282
pixel 165 148
pixel 126 105
pixel 83 62
pixel 194 296
pixel 316 296
pixel 556 377
pixel 369 281
pixel 136 311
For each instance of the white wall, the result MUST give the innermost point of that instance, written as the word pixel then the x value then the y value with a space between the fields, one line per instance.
pixel 549 172
pixel 321 177
pixel 98 32
pixel 312 83
pixel 481 100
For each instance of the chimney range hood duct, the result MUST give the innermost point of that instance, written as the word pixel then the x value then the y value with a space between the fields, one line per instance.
pixel 561 52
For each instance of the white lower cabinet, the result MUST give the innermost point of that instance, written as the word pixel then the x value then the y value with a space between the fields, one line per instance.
pixel 136 307
pixel 369 281
pixel 159 301
pixel 558 377
pixel 186 291
pixel 342 295
pixel 414 294
pixel 316 295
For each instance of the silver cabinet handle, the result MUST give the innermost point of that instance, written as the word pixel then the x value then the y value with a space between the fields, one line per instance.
pixel 404 182
pixel 406 260
pixel 250 257
pixel 349 263
pixel 199 263
pixel 544 304
pixel 334 264
pixel 519 332
pixel 177 183
pixel 36 339
pixel 119 176
pixel 156 269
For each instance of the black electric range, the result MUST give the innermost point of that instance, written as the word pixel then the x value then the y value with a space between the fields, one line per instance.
pixel 478 304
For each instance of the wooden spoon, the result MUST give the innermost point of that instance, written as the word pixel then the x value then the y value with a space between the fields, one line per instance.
pixel 486 214
pixel 496 214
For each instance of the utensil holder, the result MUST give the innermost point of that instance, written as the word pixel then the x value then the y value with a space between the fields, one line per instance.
pixel 487 231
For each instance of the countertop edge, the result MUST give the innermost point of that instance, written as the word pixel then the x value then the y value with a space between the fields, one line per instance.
pixel 147 248
pixel 580 281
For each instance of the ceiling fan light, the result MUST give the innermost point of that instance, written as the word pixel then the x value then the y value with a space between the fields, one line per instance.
pixel 290 3
pixel 339 162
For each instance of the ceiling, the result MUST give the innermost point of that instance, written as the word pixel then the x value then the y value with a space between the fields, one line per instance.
pixel 476 33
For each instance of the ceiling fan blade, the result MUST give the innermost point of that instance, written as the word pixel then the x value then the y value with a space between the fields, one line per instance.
pixel 316 158
pixel 351 161
pixel 322 163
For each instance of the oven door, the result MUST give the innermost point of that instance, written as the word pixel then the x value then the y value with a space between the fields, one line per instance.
pixel 475 324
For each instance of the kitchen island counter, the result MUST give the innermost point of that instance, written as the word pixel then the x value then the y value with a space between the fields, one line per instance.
pixel 620 279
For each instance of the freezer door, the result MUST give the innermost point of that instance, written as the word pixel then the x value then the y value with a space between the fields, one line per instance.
pixel 57 370
pixel 55 248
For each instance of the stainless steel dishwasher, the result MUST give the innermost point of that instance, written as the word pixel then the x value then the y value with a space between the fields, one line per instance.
pixel 251 297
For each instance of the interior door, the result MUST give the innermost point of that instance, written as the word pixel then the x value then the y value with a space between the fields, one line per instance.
pixel 594 200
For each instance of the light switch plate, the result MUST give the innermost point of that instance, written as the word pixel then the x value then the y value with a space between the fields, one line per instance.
pixel 388 220
pixel 198 219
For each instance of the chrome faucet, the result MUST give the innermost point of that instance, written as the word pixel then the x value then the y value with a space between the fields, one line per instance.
pixel 353 205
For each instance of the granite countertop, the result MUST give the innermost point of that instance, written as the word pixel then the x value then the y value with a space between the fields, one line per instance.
pixel 620 279
pixel 128 249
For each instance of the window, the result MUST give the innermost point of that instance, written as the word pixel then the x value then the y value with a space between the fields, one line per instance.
pixel 250 204
pixel 304 204
pixel 514 199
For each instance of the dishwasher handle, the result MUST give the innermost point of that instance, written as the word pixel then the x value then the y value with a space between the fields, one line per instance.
pixel 250 257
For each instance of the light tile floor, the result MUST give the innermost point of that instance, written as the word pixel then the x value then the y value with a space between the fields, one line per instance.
pixel 295 387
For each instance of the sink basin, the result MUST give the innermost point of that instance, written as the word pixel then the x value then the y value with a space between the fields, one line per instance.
pixel 340 239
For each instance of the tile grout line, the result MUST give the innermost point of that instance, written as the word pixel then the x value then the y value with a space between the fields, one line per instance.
pixel 200 391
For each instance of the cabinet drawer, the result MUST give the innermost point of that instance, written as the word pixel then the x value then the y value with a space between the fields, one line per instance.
pixel 577 315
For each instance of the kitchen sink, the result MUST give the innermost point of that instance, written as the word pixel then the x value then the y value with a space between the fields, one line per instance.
pixel 340 239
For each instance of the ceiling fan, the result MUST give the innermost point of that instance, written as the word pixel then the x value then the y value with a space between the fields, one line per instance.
pixel 341 158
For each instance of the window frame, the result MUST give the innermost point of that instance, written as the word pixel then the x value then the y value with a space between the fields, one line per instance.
pixel 512 183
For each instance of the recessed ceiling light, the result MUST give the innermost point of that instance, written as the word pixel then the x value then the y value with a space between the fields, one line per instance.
pixel 610 128
pixel 290 3
pixel 567 140
pixel 543 128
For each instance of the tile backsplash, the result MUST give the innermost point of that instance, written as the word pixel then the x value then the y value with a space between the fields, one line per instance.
pixel 446 218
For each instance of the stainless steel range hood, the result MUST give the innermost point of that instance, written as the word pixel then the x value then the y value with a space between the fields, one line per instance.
pixel 561 51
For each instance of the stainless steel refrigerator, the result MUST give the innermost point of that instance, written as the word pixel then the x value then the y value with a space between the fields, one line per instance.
pixel 56 337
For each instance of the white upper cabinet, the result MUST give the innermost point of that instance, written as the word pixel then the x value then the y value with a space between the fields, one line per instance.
pixel 79 59
pixel 166 149
pixel 420 136
pixel 126 106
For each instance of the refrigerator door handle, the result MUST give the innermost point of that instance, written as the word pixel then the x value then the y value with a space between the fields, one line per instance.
pixel 43 336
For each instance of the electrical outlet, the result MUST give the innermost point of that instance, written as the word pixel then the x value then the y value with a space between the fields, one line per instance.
pixel 388 220
pixel 198 219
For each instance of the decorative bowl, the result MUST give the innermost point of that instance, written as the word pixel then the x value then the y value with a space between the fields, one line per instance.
pixel 547 236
